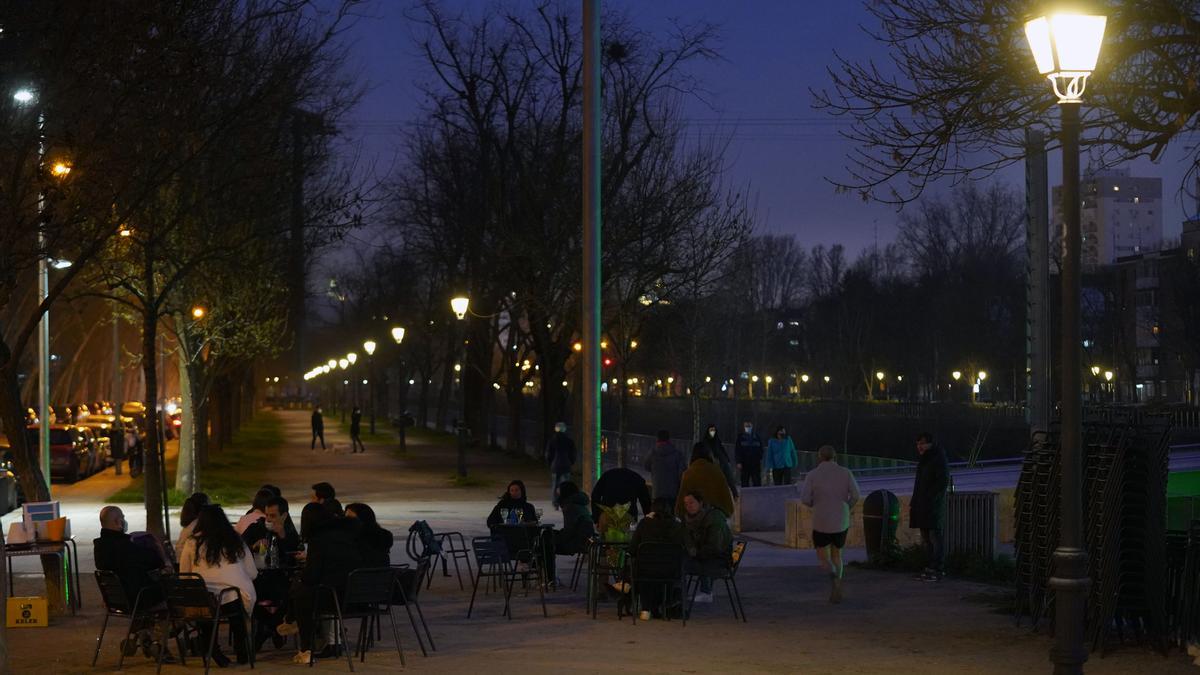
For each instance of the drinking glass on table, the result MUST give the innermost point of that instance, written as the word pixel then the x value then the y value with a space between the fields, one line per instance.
pixel 503 515
pixel 539 515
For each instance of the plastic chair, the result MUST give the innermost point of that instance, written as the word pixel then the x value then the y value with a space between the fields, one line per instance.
pixel 116 603
pixel 658 564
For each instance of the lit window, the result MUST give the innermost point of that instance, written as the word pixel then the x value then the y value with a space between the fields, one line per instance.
pixel 1116 188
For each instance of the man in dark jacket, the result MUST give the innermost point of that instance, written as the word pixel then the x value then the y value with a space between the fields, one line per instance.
pixel 927 510
pixel 712 441
pixel 666 465
pixel 620 486
pixel 560 456
pixel 660 526
pixel 356 431
pixel 748 451
pixel 333 552
pixel 318 429
pixel 137 566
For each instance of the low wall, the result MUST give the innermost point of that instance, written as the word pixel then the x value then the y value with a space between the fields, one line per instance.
pixel 798 524
pixel 759 509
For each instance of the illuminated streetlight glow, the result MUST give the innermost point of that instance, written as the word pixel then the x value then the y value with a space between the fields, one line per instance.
pixel 326 368
pixel 879 375
pixel 458 367
pixel 804 378
pixel 198 312
pixel 332 363
pixel 369 347
pixel 982 375
pixel 398 334
pixel 343 363
pixel 578 346
pixel 957 375
pixel 459 304
pixel 1108 375
pixel 23 95
pixel 352 358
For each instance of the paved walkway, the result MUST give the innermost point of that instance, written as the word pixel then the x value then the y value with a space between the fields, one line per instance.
pixel 888 624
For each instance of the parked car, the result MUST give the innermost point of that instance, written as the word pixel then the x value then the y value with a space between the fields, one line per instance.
pixel 101 448
pixel 112 428
pixel 10 490
pixel 71 453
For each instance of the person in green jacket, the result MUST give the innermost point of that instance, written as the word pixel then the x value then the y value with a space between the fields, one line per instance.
pixel 708 542
pixel 781 457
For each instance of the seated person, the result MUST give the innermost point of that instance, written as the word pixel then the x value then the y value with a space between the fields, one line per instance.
pixel 274 528
pixel 708 540
pixel 187 518
pixel 705 477
pixel 218 554
pixel 620 486
pixel 257 512
pixel 660 526
pixel 137 565
pixel 273 584
pixel 577 520
pixel 376 542
pixel 324 494
pixel 514 500
pixel 333 552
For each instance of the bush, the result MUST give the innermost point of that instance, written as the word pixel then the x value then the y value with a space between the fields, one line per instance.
pixel 971 566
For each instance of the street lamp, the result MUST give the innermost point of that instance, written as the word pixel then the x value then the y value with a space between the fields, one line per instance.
pixel 957 375
pixel 198 312
pixel 398 334
pixel 1066 48
pixel 459 304
pixel 369 348
pixel 398 337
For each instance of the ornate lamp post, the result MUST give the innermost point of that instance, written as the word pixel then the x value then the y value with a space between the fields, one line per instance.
pixel 460 304
pixel 369 348
pixel 1066 47
pixel 398 337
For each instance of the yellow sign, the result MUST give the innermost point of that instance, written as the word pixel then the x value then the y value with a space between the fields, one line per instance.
pixel 27 613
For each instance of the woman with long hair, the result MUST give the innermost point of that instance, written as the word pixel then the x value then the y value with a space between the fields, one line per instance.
pixel 217 553
pixel 376 541
pixel 187 517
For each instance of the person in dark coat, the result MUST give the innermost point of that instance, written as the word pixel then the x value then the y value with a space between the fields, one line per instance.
pixel 748 451
pixel 318 429
pixel 560 456
pixel 514 499
pixel 660 526
pixel 376 541
pixel 356 431
pixel 137 566
pixel 666 465
pixel 716 449
pixel 620 486
pixel 333 552
pixel 576 530
pixel 927 510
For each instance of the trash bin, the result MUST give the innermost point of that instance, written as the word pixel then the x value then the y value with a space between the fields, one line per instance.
pixel 881 518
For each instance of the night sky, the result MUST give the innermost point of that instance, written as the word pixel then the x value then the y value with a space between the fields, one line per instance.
pixel 772 53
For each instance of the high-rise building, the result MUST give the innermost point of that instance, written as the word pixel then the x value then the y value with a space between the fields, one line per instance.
pixel 1120 215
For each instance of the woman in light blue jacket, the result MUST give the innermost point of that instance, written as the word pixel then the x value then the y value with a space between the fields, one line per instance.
pixel 781 457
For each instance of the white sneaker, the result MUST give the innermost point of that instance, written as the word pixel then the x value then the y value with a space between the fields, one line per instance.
pixel 704 597
pixel 644 615
pixel 302 658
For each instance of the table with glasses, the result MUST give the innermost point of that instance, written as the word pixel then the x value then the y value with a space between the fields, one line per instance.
pixel 66 551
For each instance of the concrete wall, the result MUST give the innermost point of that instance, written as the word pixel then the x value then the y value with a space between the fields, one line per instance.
pixel 761 509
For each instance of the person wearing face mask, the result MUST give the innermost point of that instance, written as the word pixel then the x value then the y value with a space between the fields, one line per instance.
pixel 712 441
pixel 748 451
pixel 781 457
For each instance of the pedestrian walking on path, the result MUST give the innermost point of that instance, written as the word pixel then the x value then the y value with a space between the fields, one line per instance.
pixel 356 431
pixel 716 449
pixel 749 454
pixel 318 429
pixel 831 491
pixel 560 456
pixel 781 457
pixel 666 465
pixel 927 510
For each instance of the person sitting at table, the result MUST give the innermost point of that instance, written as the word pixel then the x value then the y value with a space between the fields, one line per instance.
pixel 217 553
pixel 620 486
pixel 705 477
pixel 660 526
pixel 513 500
pixel 273 583
pixel 708 540
pixel 376 542
pixel 187 517
pixel 137 566
pixel 333 552
pixel 257 512
pixel 324 494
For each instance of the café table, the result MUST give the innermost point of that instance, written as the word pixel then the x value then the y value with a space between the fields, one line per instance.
pixel 66 551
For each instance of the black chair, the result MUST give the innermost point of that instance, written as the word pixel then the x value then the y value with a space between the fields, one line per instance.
pixel 726 575
pixel 116 603
pixel 408 592
pixel 423 541
pixel 368 595
pixel 493 562
pixel 189 605
pixel 601 568
pixel 657 564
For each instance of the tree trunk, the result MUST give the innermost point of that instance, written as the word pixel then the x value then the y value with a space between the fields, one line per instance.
pixel 443 401
pixel 423 403
pixel 185 465
pixel 153 455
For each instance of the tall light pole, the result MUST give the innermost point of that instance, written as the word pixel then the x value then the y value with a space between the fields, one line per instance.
pixel 459 304
pixel 369 348
pixel 23 97
pixel 1066 47
pixel 398 336
pixel 589 429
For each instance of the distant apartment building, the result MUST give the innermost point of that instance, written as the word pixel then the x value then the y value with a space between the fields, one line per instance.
pixel 1120 216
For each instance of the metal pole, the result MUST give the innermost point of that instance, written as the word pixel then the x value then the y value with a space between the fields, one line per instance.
pixel 589 431
pixel 1070 581
pixel 371 389
pixel 461 430
pixel 1037 284
pixel 44 324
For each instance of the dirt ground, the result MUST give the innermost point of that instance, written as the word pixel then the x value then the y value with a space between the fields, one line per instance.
pixel 889 623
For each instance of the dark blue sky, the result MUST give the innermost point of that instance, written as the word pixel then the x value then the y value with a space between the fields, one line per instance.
pixel 772 52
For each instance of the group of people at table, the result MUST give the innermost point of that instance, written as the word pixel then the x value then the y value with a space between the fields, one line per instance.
pixel 687 503
pixel 260 566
